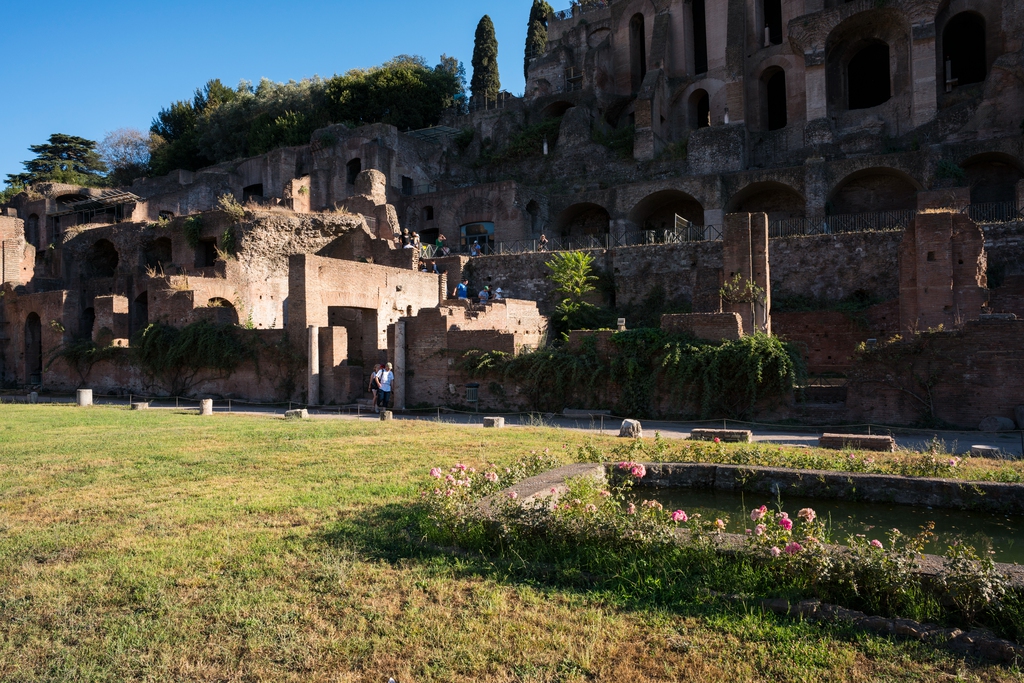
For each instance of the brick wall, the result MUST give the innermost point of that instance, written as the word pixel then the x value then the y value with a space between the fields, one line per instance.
pixel 710 326
pixel 827 339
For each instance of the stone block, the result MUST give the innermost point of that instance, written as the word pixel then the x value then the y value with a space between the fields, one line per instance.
pixel 206 406
pixel 84 397
pixel 727 435
pixel 983 451
pixel 33 397
pixel 495 422
pixel 140 406
pixel 631 429
pixel 993 423
pixel 858 441
pixel 387 416
pixel 297 414
pixel 1018 416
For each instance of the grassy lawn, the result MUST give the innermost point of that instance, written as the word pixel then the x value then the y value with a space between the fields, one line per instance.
pixel 163 546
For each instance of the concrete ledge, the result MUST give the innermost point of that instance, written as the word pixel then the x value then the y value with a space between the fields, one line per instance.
pixel 547 486
pixel 494 422
pixel 726 435
pixel 859 441
pixel 299 414
pixel 140 406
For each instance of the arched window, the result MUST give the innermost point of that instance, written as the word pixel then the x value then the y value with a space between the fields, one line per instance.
pixel 428 213
pixel 773 21
pixel 700 37
pixel 637 51
pixel 700 109
pixel 252 192
pixel 86 323
pixel 775 98
pixel 867 76
pixel 102 259
pixel 963 45
pixel 352 169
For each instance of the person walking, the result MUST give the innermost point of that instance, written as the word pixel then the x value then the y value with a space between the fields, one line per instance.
pixel 387 379
pixel 475 249
pixel 375 384
pixel 484 294
pixel 461 290
pixel 442 245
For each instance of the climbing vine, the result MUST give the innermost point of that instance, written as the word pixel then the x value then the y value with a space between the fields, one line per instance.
pixel 193 229
pixel 82 354
pixel 178 359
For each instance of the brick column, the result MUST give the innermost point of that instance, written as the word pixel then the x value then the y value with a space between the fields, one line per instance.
pixel 745 253
pixel 922 73
pixel 398 402
pixel 313 366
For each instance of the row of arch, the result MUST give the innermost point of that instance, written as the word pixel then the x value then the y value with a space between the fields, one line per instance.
pixel 992 178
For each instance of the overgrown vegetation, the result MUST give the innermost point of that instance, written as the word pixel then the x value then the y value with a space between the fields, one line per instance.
pixel 177 359
pixel 619 140
pixel 529 142
pixel 536 32
pixel 572 275
pixel 193 230
pixel 947 169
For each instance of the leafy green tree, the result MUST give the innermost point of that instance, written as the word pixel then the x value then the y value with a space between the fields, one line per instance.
pixel 63 159
pixel 572 272
pixel 536 32
pixel 485 81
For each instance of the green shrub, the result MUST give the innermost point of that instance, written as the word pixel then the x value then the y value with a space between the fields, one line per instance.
pixel 193 229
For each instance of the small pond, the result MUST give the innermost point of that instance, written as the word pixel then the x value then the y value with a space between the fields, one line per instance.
pixel 1002 533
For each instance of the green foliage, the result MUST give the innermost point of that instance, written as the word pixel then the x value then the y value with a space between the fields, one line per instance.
pixel 464 139
pixel 619 141
pixel 220 123
pixel 62 159
pixel 656 303
pixel 536 32
pixel 947 169
pixel 229 205
pixel 228 241
pixel 486 82
pixel 193 229
pixel 11 191
pixel 741 290
pixel 178 358
pixel 572 274
pixel 529 142
pixel 82 354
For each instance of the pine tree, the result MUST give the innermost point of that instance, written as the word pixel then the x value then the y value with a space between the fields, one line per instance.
pixel 62 159
pixel 485 81
pixel 536 32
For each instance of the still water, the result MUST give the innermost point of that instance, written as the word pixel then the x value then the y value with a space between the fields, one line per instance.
pixel 985 531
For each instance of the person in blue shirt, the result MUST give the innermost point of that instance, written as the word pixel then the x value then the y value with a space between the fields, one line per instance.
pixel 384 393
pixel 462 289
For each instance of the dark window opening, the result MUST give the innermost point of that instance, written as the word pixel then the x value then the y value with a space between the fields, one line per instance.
pixel 700 38
pixel 533 211
pixel 206 254
pixel 158 253
pixel 481 234
pixel 86 323
pixel 33 349
pixel 700 105
pixel 227 314
pixel 252 192
pixel 407 187
pixel 868 76
pixel 352 170
pixel 428 213
pixel 931 255
pixel 963 42
pixel 32 230
pixel 140 313
pixel 775 100
pixel 773 20
pixel 101 259
pixel 166 215
pixel 637 51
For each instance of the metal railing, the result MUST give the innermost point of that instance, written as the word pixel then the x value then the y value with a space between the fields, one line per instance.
pixel 632 238
pixel 994 212
pixel 840 224
pixel 579 7
pixel 487 103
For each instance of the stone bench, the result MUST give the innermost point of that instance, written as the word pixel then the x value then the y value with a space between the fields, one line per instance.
pixel 860 442
pixel 297 414
pixel 140 406
pixel 495 422
pixel 726 435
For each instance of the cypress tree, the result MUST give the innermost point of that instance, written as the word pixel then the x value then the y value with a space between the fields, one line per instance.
pixel 485 81
pixel 536 32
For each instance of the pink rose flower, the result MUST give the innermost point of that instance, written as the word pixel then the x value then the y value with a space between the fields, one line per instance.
pixel 793 548
pixel 449 478
pixel 631 510
pixel 807 515
pixel 513 495
pixel 591 507
pixel 786 523
pixel 748 531
pixel 435 472
pixel 720 524
pixel 758 513
pixel 760 529
pixel 775 552
pixel 679 516
pixel 876 544
pixel 491 477
pixel 461 467
pixel 717 440
pixel 605 494
pixel 639 471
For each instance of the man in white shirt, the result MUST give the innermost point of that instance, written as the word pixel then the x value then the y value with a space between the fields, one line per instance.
pixel 384 393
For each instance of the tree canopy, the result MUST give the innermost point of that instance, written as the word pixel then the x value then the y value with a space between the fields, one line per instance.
pixel 536 32
pixel 486 82
pixel 221 123
pixel 62 159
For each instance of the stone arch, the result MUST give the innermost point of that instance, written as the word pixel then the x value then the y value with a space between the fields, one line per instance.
pixel 962 48
pixel 33 349
pixel 867 60
pixel 231 313
pixel 583 219
pixel 657 211
pixel 101 260
pixel 533 210
pixel 352 170
pixel 556 109
pixel 993 177
pixel 699 109
pixel 776 199
pixel 874 189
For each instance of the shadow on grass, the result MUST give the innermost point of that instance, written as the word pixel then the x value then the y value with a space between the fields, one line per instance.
pixel 687 582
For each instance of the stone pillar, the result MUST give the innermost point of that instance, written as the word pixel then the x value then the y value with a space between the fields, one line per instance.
pixel 814 85
pixel 1020 195
pixel 206 406
pixel 334 376
pixel 398 398
pixel 922 72
pixel 84 398
pixel 313 366
pixel 745 255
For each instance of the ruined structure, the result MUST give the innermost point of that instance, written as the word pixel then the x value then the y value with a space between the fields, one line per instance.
pixel 868 152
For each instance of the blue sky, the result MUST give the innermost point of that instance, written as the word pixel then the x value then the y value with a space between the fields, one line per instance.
pixel 86 68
